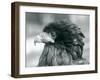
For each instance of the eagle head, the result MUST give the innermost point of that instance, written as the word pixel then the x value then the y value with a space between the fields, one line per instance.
pixel 62 39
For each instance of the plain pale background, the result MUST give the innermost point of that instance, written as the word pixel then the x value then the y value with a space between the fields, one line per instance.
pixel 5 40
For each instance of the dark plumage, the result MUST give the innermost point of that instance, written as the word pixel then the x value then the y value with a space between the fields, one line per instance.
pixel 67 46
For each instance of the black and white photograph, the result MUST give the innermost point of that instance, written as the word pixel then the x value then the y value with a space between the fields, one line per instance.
pixel 56 39
pixel 52 39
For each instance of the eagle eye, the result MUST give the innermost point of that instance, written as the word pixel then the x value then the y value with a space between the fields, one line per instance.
pixel 53 34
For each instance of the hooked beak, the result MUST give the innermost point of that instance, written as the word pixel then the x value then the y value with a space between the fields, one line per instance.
pixel 43 38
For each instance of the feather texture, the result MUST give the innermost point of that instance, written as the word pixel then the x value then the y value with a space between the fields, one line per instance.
pixel 68 44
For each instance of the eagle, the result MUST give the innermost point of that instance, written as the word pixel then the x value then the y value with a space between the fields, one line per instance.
pixel 64 44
